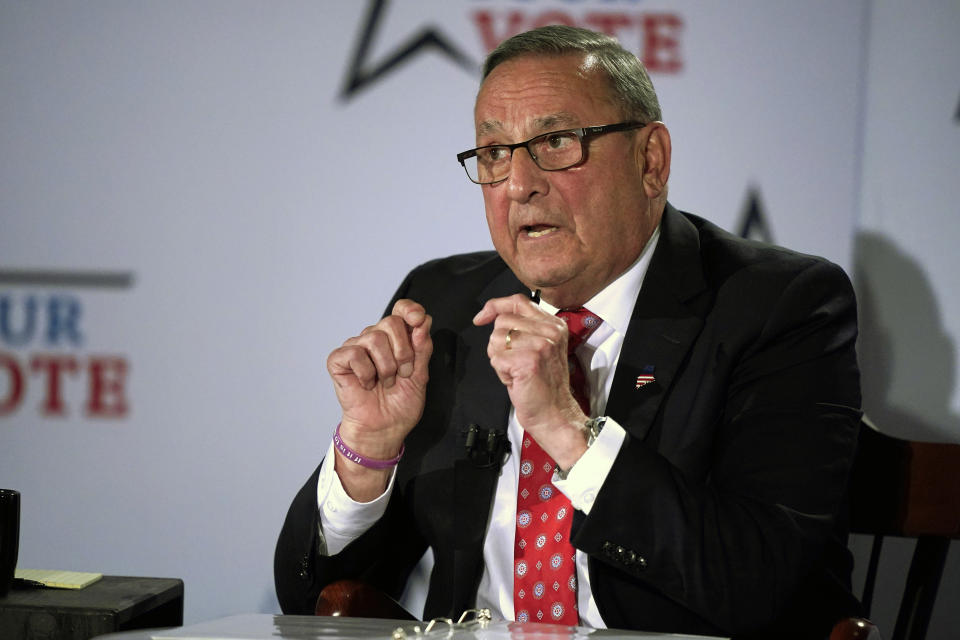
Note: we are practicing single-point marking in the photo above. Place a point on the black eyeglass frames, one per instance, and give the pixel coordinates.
(553, 151)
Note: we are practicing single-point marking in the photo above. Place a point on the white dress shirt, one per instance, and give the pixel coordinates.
(342, 520)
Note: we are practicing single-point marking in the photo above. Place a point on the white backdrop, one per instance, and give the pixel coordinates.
(905, 255)
(216, 214)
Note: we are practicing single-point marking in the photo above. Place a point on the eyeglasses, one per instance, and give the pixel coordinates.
(552, 151)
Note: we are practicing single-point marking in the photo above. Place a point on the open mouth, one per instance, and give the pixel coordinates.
(537, 230)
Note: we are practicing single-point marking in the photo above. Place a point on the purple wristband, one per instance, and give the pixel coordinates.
(363, 461)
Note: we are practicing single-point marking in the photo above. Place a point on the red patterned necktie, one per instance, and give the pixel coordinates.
(544, 561)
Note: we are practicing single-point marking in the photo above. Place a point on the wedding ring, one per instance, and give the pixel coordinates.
(509, 339)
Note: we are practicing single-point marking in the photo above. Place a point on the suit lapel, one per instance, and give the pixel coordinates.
(482, 400)
(663, 326)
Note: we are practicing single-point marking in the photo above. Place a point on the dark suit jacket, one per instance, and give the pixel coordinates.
(719, 515)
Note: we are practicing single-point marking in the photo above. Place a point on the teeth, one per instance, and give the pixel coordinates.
(536, 233)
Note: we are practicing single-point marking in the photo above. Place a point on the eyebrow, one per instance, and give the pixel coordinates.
(489, 126)
(554, 120)
(543, 124)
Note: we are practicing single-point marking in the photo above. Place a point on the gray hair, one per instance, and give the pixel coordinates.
(630, 86)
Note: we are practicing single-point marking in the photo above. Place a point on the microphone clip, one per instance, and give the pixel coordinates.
(486, 447)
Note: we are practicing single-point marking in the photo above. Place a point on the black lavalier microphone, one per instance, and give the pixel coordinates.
(486, 448)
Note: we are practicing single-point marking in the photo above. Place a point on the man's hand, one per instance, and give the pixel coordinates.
(380, 378)
(533, 367)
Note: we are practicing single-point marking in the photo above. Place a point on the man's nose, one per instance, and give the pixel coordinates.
(526, 179)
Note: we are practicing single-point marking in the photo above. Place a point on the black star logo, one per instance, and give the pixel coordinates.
(753, 224)
(362, 72)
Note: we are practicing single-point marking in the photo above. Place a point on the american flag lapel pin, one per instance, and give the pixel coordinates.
(646, 376)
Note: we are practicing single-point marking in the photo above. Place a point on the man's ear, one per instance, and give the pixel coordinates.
(654, 157)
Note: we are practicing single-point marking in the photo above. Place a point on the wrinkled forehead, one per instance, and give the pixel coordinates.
(531, 94)
(544, 122)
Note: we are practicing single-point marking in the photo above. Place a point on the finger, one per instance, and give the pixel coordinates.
(422, 348)
(399, 335)
(511, 331)
(414, 316)
(542, 324)
(351, 364)
(503, 374)
(412, 313)
(505, 338)
(517, 304)
(508, 338)
(381, 350)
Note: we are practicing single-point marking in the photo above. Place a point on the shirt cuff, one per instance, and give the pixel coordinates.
(343, 519)
(588, 474)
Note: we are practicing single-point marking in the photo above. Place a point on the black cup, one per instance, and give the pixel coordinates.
(9, 537)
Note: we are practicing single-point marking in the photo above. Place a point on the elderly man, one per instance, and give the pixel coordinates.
(625, 417)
